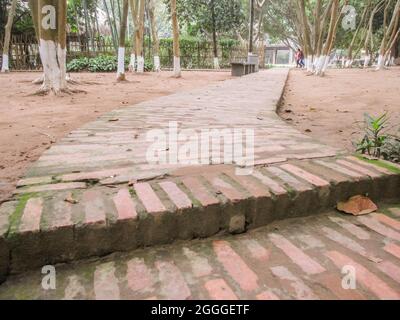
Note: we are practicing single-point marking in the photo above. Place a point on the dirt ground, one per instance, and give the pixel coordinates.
(331, 109)
(30, 124)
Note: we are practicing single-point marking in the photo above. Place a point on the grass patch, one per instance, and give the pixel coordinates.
(15, 217)
(380, 163)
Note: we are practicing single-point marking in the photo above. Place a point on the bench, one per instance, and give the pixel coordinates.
(242, 68)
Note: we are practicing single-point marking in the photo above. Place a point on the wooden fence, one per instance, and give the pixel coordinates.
(24, 52)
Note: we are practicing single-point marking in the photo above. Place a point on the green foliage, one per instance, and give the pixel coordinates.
(377, 142)
(375, 137)
(102, 63)
(201, 16)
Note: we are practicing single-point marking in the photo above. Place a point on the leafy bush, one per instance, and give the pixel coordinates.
(377, 142)
(78, 64)
(102, 63)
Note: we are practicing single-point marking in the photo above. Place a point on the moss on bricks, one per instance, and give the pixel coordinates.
(380, 163)
(16, 216)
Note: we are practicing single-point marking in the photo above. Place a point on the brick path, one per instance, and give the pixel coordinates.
(299, 258)
(94, 193)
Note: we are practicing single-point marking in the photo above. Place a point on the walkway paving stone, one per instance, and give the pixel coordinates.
(286, 260)
(95, 193)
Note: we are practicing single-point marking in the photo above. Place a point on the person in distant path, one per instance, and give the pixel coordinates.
(299, 59)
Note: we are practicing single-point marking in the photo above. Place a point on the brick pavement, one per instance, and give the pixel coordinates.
(301, 258)
(94, 193)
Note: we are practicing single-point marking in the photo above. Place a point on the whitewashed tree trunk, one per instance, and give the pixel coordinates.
(121, 49)
(216, 63)
(154, 36)
(51, 25)
(7, 36)
(139, 37)
(175, 29)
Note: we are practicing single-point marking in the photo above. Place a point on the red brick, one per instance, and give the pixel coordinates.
(125, 206)
(366, 278)
(34, 180)
(225, 188)
(340, 169)
(218, 289)
(370, 165)
(95, 174)
(387, 220)
(105, 283)
(334, 284)
(138, 275)
(250, 184)
(199, 191)
(353, 229)
(271, 184)
(149, 198)
(301, 290)
(62, 213)
(30, 220)
(235, 266)
(257, 251)
(348, 243)
(390, 270)
(393, 249)
(173, 285)
(267, 295)
(95, 212)
(199, 264)
(358, 168)
(295, 254)
(51, 187)
(178, 197)
(289, 179)
(313, 179)
(379, 228)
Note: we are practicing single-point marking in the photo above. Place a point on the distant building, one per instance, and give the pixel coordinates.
(278, 53)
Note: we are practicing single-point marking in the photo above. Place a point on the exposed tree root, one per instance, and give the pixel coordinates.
(44, 91)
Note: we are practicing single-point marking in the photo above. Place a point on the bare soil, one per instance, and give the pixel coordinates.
(331, 109)
(30, 124)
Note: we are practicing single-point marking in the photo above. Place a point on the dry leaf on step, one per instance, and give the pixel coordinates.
(357, 206)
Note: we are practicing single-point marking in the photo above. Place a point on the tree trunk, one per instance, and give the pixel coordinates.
(154, 35)
(175, 29)
(51, 20)
(6, 46)
(324, 61)
(139, 37)
(134, 12)
(112, 30)
(390, 35)
(121, 47)
(214, 35)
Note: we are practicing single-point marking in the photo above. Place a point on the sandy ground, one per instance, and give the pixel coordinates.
(30, 124)
(331, 109)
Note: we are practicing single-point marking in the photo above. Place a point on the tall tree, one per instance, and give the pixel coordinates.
(51, 19)
(139, 36)
(121, 47)
(7, 36)
(175, 31)
(154, 36)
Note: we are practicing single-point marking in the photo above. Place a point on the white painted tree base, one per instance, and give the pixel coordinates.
(140, 64)
(121, 64)
(216, 63)
(5, 65)
(54, 66)
(177, 67)
(157, 64)
(132, 63)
